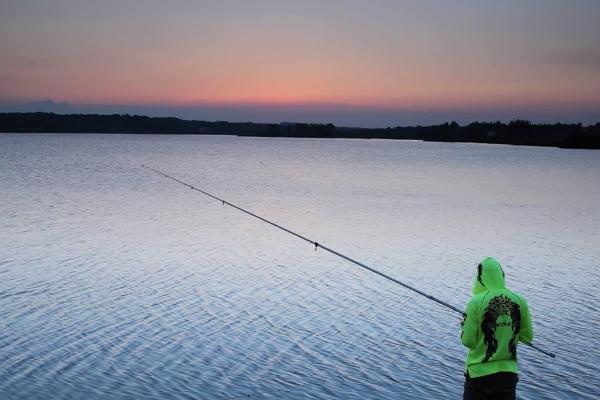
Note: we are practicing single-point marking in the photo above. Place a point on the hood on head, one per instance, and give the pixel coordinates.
(489, 276)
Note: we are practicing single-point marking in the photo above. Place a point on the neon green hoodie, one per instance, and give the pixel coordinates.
(496, 320)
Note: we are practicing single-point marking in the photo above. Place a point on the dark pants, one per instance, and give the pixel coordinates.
(498, 386)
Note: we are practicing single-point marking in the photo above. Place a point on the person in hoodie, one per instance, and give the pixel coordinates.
(496, 320)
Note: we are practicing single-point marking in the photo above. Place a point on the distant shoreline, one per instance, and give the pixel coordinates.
(518, 132)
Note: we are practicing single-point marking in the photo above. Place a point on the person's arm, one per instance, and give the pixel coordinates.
(469, 326)
(526, 333)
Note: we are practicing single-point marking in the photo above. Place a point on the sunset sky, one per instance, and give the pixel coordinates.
(364, 63)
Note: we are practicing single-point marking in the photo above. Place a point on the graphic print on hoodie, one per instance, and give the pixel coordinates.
(496, 320)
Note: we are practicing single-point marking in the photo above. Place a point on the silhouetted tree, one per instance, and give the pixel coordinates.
(516, 132)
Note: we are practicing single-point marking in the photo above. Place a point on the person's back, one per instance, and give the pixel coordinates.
(496, 320)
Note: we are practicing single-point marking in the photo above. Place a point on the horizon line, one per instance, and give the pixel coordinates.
(450, 122)
(340, 114)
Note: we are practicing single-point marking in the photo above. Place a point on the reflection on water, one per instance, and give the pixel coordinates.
(115, 282)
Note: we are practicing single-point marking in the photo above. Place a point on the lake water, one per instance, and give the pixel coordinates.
(118, 283)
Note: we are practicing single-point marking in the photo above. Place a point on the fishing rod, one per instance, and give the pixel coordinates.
(328, 249)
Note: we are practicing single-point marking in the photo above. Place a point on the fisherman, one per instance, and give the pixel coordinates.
(495, 321)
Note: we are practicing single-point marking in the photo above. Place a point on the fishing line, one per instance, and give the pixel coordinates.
(328, 249)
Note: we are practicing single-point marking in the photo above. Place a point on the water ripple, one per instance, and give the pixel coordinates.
(115, 283)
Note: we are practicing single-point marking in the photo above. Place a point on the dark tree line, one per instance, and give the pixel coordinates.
(520, 132)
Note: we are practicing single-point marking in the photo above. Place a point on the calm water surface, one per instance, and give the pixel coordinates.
(117, 283)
